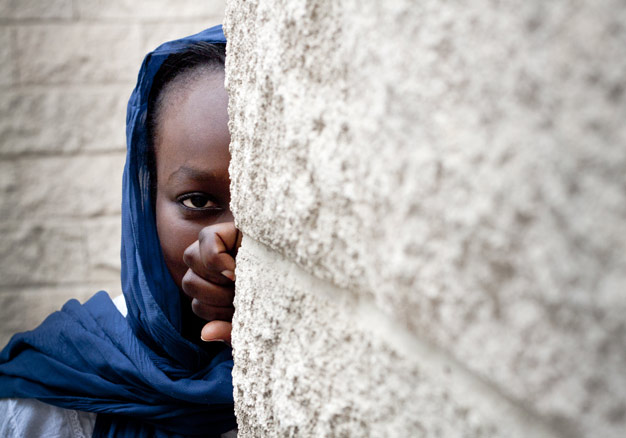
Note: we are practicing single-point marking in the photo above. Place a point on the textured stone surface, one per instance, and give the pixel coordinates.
(103, 249)
(304, 369)
(150, 9)
(63, 120)
(78, 53)
(46, 253)
(154, 34)
(82, 186)
(7, 71)
(29, 9)
(463, 167)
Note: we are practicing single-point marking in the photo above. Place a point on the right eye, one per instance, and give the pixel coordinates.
(197, 201)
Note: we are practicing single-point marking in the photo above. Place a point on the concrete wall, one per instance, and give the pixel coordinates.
(434, 201)
(67, 68)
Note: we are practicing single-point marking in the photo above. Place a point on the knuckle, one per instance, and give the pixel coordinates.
(188, 255)
(207, 262)
(188, 283)
(205, 234)
(202, 310)
(210, 261)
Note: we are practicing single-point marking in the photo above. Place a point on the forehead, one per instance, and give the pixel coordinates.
(193, 126)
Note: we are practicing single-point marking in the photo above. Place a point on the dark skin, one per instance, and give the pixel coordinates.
(194, 221)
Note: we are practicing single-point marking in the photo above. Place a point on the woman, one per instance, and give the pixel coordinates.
(148, 374)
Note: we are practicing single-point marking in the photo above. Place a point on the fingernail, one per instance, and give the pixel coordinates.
(229, 274)
(214, 340)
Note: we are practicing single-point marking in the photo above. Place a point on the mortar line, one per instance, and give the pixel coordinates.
(42, 155)
(433, 359)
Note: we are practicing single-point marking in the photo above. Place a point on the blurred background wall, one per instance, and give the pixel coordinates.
(67, 68)
(433, 195)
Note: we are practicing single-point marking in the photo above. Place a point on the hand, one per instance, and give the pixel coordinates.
(210, 279)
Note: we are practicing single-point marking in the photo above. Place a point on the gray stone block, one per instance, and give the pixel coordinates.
(154, 34)
(78, 53)
(33, 9)
(45, 253)
(56, 120)
(140, 10)
(7, 59)
(464, 169)
(61, 187)
(103, 249)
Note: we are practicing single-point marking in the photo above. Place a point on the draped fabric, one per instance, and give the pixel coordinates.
(141, 376)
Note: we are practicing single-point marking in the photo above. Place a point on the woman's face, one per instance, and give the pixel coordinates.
(192, 157)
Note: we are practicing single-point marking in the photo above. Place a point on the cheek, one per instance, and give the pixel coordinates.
(175, 235)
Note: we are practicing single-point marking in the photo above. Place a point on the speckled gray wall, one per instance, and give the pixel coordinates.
(434, 199)
(67, 68)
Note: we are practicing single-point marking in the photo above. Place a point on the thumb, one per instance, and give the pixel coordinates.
(217, 331)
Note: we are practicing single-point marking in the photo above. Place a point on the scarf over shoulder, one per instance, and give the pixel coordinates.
(138, 373)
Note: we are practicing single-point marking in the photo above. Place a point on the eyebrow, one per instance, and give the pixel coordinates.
(192, 173)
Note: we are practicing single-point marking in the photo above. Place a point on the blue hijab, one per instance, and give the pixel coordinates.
(141, 376)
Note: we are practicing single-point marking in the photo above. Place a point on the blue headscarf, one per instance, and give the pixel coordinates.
(141, 376)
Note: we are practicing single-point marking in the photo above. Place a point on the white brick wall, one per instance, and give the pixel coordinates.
(67, 68)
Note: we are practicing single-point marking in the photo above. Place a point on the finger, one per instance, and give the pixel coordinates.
(217, 331)
(238, 240)
(206, 292)
(209, 264)
(211, 313)
(217, 240)
(230, 274)
(225, 237)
